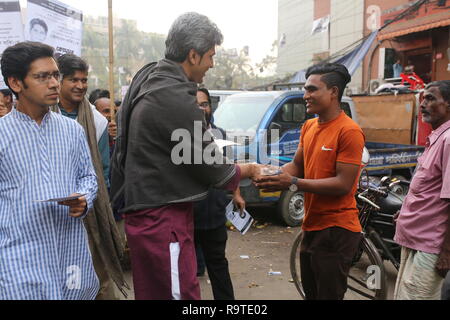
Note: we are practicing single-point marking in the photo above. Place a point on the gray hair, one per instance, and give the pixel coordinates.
(444, 88)
(191, 31)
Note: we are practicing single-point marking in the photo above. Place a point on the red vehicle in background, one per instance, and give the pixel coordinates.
(409, 76)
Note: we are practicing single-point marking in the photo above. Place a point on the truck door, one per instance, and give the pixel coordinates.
(346, 107)
(289, 120)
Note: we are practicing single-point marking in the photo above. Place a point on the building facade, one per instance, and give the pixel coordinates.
(312, 30)
(413, 33)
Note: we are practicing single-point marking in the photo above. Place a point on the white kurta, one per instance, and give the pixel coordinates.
(44, 253)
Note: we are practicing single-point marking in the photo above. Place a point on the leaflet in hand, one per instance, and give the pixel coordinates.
(62, 199)
(224, 143)
(241, 222)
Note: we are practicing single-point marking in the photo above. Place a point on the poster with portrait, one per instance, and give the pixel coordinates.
(56, 24)
(11, 27)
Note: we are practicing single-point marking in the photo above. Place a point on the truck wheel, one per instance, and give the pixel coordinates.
(291, 208)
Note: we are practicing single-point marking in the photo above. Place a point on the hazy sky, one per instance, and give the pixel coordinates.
(243, 22)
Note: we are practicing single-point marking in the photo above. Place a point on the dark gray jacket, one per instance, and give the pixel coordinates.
(160, 100)
(209, 214)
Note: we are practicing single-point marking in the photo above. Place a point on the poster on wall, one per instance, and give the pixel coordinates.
(56, 24)
(11, 28)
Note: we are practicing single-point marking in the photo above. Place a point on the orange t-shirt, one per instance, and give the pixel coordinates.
(325, 144)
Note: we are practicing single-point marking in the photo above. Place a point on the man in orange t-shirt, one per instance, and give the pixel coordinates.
(326, 167)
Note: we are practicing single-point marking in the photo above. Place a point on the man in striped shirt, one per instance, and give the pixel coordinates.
(44, 252)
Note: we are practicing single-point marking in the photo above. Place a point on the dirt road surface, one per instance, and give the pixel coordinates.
(259, 262)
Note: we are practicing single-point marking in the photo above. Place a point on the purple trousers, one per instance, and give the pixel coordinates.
(162, 252)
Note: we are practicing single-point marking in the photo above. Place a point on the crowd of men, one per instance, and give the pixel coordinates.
(63, 191)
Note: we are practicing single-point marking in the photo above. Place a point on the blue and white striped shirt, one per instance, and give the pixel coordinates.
(44, 253)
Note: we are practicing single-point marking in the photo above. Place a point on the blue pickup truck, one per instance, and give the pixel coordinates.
(249, 118)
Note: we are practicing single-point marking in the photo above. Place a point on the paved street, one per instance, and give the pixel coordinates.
(266, 247)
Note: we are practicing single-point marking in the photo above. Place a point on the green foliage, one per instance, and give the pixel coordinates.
(132, 50)
(233, 71)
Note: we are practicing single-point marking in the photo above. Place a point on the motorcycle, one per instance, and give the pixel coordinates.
(379, 206)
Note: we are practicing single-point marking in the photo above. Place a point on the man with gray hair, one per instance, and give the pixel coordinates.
(423, 226)
(153, 190)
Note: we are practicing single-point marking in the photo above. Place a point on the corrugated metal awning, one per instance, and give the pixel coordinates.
(437, 20)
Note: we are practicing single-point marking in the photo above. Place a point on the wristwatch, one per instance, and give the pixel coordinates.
(294, 187)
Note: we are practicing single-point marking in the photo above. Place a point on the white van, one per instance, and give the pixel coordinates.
(219, 96)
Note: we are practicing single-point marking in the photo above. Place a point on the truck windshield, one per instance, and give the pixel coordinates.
(242, 113)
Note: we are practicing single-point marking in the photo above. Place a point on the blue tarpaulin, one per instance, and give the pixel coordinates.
(351, 60)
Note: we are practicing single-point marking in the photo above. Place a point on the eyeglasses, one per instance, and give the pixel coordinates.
(203, 104)
(45, 77)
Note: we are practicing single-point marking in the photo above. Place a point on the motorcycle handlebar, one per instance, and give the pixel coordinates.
(378, 192)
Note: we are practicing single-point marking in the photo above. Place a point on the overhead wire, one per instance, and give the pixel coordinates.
(400, 16)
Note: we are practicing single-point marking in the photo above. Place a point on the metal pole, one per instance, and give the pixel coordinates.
(111, 61)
